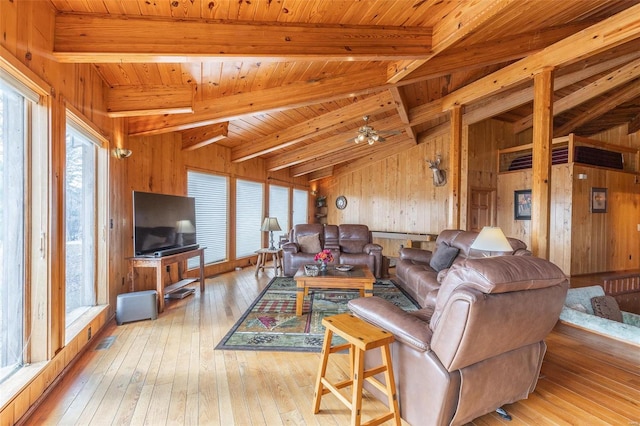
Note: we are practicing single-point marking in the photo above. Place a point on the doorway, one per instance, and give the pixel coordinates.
(482, 208)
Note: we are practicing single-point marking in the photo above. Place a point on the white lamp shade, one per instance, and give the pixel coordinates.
(270, 224)
(185, 227)
(491, 238)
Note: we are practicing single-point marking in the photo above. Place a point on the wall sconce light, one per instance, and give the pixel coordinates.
(121, 153)
(582, 176)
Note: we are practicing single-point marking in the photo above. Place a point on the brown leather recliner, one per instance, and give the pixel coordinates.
(349, 244)
(294, 255)
(479, 347)
(357, 248)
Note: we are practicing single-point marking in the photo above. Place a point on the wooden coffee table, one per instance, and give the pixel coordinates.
(359, 278)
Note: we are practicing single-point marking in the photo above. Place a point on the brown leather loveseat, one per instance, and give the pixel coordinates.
(417, 270)
(478, 347)
(349, 244)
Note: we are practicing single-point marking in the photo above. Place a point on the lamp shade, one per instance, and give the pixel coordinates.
(270, 224)
(491, 238)
(185, 227)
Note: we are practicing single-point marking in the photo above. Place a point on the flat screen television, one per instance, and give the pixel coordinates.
(163, 224)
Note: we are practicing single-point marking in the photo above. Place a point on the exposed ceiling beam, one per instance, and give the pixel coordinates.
(108, 39)
(294, 95)
(611, 32)
(314, 127)
(354, 152)
(359, 163)
(611, 101)
(336, 143)
(602, 85)
(320, 174)
(634, 124)
(449, 30)
(491, 52)
(505, 101)
(403, 111)
(131, 101)
(205, 135)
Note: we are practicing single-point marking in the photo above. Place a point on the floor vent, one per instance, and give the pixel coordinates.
(105, 343)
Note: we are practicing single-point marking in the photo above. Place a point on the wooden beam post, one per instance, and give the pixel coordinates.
(541, 185)
(455, 155)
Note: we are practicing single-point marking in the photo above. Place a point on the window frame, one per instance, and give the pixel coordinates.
(194, 263)
(237, 224)
(80, 124)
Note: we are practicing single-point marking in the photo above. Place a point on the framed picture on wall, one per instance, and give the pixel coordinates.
(598, 200)
(522, 204)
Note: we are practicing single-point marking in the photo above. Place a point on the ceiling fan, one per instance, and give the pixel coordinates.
(368, 134)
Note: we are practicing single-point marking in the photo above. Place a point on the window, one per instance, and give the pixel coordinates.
(279, 208)
(249, 201)
(81, 221)
(14, 125)
(211, 194)
(300, 206)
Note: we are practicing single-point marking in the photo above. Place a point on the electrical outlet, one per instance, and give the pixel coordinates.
(89, 333)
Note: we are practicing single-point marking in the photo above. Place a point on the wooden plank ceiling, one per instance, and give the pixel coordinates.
(290, 80)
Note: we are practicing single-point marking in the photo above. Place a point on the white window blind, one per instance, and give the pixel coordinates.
(300, 206)
(249, 201)
(279, 208)
(212, 194)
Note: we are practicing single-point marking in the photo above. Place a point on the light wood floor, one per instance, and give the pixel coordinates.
(167, 372)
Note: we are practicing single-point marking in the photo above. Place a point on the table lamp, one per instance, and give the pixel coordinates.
(183, 227)
(491, 238)
(271, 224)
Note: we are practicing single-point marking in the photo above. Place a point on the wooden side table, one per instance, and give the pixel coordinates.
(360, 336)
(276, 255)
(160, 263)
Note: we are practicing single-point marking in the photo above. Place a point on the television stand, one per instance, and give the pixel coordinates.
(160, 264)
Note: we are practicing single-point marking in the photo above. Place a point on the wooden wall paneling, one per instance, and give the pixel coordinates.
(9, 25)
(560, 227)
(120, 215)
(619, 136)
(507, 184)
(395, 194)
(581, 238)
(485, 138)
(623, 235)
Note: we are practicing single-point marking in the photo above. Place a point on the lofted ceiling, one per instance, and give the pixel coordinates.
(290, 80)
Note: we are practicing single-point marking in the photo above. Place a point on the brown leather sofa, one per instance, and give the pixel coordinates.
(478, 347)
(415, 270)
(349, 244)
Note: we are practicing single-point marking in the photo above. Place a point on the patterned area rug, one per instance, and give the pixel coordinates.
(271, 323)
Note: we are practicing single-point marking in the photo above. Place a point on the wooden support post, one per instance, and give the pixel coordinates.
(455, 153)
(541, 185)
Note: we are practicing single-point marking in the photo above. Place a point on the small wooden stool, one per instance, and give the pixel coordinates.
(360, 336)
(262, 260)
